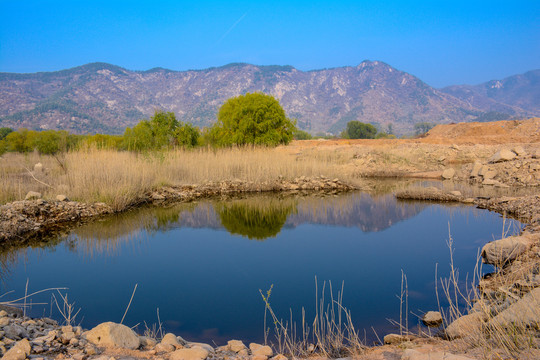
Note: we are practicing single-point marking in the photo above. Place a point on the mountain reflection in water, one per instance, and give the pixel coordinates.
(257, 217)
(203, 263)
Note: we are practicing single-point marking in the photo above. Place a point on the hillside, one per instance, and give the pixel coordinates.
(512, 95)
(101, 97)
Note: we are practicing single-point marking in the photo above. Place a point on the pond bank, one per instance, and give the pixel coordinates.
(66, 342)
(27, 219)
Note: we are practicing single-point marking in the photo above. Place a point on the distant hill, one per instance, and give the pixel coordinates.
(100, 97)
(514, 95)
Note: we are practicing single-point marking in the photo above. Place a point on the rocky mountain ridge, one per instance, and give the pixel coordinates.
(100, 97)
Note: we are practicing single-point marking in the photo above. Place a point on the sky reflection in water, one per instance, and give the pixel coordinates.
(202, 264)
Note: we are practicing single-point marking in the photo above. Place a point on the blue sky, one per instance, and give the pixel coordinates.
(441, 42)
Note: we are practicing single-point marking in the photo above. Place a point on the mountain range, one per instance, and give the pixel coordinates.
(100, 97)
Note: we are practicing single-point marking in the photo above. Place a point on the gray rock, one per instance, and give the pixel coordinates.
(523, 313)
(32, 195)
(466, 325)
(501, 251)
(15, 332)
(432, 318)
(205, 346)
(110, 334)
(194, 353)
(448, 174)
(502, 155)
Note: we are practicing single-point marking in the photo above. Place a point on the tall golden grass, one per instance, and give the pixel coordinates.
(119, 178)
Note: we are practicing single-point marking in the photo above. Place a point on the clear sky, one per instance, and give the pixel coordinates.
(442, 42)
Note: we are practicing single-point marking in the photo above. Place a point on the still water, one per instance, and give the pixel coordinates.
(202, 264)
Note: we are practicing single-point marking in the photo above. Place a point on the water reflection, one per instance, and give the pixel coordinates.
(256, 218)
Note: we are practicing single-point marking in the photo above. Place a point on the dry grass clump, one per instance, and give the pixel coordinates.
(491, 337)
(120, 178)
(331, 333)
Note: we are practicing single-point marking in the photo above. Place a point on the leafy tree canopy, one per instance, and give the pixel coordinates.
(359, 130)
(252, 119)
(4, 131)
(162, 131)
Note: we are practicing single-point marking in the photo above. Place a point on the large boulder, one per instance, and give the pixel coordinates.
(501, 251)
(502, 155)
(236, 346)
(523, 313)
(466, 325)
(110, 334)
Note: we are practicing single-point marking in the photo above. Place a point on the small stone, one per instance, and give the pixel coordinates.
(432, 319)
(392, 339)
(519, 151)
(3, 313)
(164, 348)
(243, 352)
(147, 342)
(502, 155)
(448, 174)
(38, 167)
(203, 345)
(257, 349)
(170, 339)
(455, 193)
(279, 357)
(236, 345)
(32, 195)
(476, 169)
(4, 321)
(109, 334)
(490, 174)
(194, 353)
(489, 182)
(62, 198)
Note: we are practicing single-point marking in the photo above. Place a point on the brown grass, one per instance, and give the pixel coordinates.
(119, 178)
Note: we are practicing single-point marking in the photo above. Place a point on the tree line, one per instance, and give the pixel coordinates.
(250, 119)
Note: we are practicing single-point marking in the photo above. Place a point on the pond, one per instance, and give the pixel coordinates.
(202, 264)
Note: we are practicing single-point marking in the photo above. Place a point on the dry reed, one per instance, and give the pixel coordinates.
(120, 178)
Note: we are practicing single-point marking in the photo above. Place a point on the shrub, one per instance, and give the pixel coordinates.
(359, 130)
(252, 119)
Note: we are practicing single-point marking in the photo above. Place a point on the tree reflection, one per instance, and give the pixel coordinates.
(257, 218)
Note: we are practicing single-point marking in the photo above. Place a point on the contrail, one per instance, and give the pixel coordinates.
(231, 28)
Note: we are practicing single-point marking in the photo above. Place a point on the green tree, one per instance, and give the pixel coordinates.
(50, 142)
(302, 135)
(422, 127)
(162, 131)
(187, 135)
(252, 119)
(20, 141)
(4, 132)
(359, 130)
